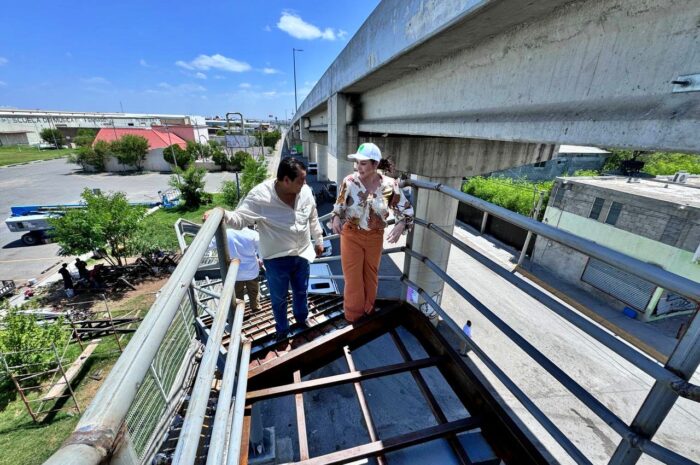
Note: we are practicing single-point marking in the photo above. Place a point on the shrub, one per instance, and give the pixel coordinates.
(175, 155)
(218, 154)
(237, 162)
(220, 132)
(229, 191)
(586, 173)
(190, 182)
(26, 342)
(515, 195)
(95, 157)
(85, 137)
(254, 172)
(53, 136)
(131, 150)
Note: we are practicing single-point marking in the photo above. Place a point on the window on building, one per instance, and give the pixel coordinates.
(540, 164)
(614, 213)
(672, 231)
(130, 124)
(597, 208)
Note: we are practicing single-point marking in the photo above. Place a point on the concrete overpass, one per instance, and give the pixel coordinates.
(455, 88)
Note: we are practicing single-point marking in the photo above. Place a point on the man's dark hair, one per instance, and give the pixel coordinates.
(290, 168)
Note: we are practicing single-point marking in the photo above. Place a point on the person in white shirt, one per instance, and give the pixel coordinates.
(284, 210)
(244, 245)
(463, 348)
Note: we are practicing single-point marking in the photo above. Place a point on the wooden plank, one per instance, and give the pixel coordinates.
(366, 414)
(344, 378)
(377, 448)
(75, 367)
(432, 401)
(301, 421)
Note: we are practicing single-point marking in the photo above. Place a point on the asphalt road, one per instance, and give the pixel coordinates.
(57, 182)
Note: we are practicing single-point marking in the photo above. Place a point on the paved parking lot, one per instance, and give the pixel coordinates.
(57, 182)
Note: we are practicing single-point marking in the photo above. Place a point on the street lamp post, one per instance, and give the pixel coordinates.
(294, 60)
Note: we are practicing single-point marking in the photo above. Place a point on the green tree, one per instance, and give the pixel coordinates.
(85, 137)
(663, 163)
(218, 154)
(53, 136)
(27, 344)
(92, 156)
(269, 138)
(131, 150)
(174, 154)
(190, 183)
(586, 173)
(254, 172)
(106, 223)
(238, 160)
(220, 132)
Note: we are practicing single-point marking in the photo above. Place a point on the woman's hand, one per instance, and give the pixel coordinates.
(336, 227)
(396, 232)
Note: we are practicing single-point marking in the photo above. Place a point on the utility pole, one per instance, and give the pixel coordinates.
(294, 60)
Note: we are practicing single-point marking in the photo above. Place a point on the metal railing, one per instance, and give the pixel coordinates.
(671, 379)
(140, 395)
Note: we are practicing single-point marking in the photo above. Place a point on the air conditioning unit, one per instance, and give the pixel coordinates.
(680, 177)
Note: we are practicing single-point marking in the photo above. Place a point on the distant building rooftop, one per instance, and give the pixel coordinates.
(659, 188)
(580, 149)
(156, 137)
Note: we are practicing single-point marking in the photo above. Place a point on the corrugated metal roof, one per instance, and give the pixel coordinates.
(156, 138)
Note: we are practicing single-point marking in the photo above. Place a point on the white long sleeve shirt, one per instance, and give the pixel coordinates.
(283, 231)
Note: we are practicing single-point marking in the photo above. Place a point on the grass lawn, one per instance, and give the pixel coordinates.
(16, 154)
(24, 442)
(160, 223)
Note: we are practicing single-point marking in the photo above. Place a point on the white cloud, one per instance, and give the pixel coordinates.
(267, 28)
(164, 87)
(3, 84)
(342, 34)
(271, 93)
(95, 80)
(200, 75)
(296, 27)
(206, 62)
(144, 63)
(271, 71)
(3, 61)
(218, 76)
(244, 85)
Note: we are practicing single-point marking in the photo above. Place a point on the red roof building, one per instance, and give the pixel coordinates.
(157, 138)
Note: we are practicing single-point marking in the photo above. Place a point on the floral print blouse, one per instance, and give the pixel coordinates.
(370, 210)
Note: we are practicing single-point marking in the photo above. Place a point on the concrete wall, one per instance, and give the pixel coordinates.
(570, 264)
(22, 138)
(559, 166)
(154, 162)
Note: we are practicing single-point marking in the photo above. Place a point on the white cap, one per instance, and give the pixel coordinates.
(367, 151)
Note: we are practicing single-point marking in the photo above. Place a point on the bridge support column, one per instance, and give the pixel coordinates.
(305, 137)
(338, 141)
(319, 151)
(447, 161)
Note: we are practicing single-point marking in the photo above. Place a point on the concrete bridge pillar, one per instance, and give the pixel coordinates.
(304, 135)
(447, 161)
(338, 141)
(319, 151)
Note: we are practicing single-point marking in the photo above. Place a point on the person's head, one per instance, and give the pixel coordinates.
(469, 323)
(65, 265)
(368, 160)
(291, 175)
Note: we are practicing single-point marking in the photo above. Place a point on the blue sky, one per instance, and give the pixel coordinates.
(175, 56)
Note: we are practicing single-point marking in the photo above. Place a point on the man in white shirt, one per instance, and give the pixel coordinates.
(244, 245)
(284, 211)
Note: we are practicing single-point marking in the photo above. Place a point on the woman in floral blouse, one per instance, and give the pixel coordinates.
(360, 215)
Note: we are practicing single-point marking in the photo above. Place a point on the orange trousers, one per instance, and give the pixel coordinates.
(360, 253)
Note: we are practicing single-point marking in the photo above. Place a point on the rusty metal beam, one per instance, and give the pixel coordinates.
(330, 381)
(402, 441)
(432, 402)
(366, 414)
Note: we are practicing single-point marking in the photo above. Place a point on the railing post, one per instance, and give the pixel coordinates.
(222, 249)
(484, 219)
(535, 214)
(409, 245)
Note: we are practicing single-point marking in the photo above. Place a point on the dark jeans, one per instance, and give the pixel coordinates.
(280, 273)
